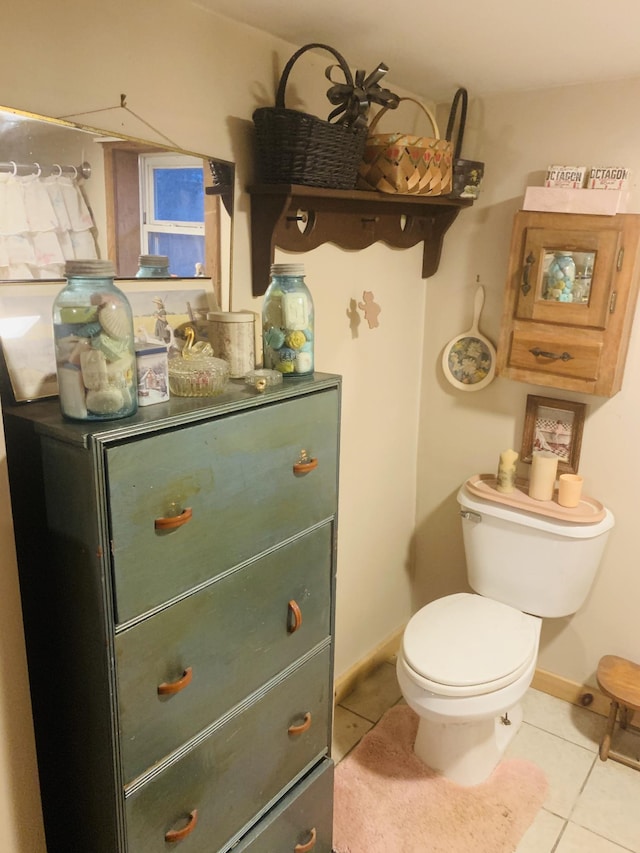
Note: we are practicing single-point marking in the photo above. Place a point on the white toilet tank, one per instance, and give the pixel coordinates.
(540, 565)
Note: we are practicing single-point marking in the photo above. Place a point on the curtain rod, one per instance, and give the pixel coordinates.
(83, 170)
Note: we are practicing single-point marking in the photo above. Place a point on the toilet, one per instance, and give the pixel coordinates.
(467, 659)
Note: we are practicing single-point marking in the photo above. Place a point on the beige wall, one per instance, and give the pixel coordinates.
(408, 438)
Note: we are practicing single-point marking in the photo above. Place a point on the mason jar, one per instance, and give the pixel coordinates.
(94, 344)
(287, 322)
(153, 266)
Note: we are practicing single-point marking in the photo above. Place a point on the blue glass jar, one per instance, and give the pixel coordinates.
(94, 345)
(287, 322)
(153, 266)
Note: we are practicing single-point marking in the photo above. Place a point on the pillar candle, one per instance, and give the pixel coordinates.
(569, 489)
(507, 472)
(543, 476)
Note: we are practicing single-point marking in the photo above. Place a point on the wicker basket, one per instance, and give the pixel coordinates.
(298, 148)
(404, 164)
(467, 174)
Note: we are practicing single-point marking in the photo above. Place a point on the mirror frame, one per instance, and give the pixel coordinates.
(219, 183)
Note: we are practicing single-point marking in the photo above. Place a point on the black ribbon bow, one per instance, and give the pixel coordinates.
(354, 100)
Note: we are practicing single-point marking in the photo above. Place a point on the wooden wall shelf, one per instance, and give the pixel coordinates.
(298, 219)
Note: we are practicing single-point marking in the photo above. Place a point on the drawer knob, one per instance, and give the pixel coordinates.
(311, 843)
(174, 835)
(295, 617)
(168, 688)
(304, 726)
(563, 356)
(171, 521)
(305, 463)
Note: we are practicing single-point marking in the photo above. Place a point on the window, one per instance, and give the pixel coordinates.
(172, 210)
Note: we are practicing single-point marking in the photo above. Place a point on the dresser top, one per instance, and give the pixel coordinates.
(177, 411)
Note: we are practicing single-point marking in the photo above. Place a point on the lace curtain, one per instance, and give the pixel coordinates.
(44, 221)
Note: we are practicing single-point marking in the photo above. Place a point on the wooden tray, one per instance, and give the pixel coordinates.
(588, 511)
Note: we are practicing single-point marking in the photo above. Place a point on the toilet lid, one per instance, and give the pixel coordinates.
(465, 640)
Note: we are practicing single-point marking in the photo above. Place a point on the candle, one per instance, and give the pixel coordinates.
(507, 471)
(569, 489)
(543, 476)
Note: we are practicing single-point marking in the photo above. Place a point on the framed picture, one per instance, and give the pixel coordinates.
(554, 426)
(160, 307)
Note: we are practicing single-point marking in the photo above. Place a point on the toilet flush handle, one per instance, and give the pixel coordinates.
(469, 515)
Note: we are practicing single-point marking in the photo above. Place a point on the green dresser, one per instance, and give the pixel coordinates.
(177, 572)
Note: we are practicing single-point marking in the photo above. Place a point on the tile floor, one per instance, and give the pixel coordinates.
(592, 806)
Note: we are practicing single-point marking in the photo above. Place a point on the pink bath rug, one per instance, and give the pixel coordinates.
(388, 801)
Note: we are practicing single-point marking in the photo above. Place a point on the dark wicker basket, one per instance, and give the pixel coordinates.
(298, 148)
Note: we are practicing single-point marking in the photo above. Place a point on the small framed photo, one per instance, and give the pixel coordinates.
(554, 426)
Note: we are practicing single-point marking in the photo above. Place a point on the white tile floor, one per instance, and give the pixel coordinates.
(592, 806)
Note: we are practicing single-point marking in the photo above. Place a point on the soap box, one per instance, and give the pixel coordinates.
(607, 178)
(571, 177)
(152, 366)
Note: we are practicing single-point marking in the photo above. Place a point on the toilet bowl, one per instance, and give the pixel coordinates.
(465, 664)
(467, 659)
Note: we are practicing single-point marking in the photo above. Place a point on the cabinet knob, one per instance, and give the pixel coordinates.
(311, 843)
(171, 521)
(174, 835)
(304, 726)
(295, 617)
(168, 688)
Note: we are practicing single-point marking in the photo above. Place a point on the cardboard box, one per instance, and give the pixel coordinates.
(152, 367)
(608, 178)
(570, 177)
(562, 200)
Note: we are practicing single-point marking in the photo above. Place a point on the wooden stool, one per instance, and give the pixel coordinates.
(619, 679)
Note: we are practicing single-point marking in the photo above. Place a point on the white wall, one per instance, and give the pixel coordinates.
(407, 435)
(463, 433)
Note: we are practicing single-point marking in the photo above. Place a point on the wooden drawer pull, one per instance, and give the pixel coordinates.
(311, 843)
(168, 688)
(295, 617)
(303, 727)
(171, 521)
(174, 835)
(304, 464)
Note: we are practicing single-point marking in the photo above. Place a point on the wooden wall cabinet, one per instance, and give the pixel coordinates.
(570, 297)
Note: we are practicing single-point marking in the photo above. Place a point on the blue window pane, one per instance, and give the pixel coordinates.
(183, 250)
(179, 195)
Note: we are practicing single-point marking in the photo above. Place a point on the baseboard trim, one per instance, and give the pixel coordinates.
(582, 695)
(384, 653)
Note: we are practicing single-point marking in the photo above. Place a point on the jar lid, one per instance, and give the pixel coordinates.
(154, 260)
(231, 316)
(89, 268)
(287, 269)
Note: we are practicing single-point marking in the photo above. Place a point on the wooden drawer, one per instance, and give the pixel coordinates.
(223, 643)
(304, 817)
(236, 478)
(583, 352)
(232, 776)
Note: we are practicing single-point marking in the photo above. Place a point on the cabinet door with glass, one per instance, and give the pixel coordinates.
(569, 301)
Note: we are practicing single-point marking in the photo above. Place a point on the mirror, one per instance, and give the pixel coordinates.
(67, 190)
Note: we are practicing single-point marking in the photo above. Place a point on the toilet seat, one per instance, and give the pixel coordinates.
(465, 645)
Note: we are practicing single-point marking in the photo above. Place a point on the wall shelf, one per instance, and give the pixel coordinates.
(298, 219)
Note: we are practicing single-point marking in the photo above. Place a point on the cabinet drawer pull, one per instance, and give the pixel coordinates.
(305, 463)
(295, 617)
(526, 272)
(168, 688)
(311, 843)
(171, 521)
(565, 356)
(174, 835)
(303, 727)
